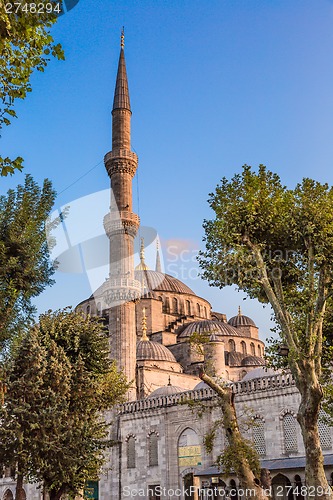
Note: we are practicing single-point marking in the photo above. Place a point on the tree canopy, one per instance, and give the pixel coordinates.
(276, 244)
(25, 45)
(59, 380)
(25, 269)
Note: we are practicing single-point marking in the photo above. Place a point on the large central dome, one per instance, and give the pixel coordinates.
(160, 282)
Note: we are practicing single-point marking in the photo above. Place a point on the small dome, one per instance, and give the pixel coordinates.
(148, 350)
(241, 320)
(203, 385)
(253, 361)
(167, 390)
(260, 373)
(218, 328)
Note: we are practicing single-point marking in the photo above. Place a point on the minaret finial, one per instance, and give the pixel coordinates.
(144, 325)
(239, 311)
(122, 38)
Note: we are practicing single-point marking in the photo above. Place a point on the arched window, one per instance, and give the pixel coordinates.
(259, 351)
(88, 309)
(167, 305)
(131, 452)
(205, 311)
(324, 431)
(188, 308)
(232, 345)
(175, 305)
(189, 441)
(289, 433)
(8, 495)
(153, 449)
(198, 310)
(259, 436)
(233, 490)
(243, 347)
(253, 352)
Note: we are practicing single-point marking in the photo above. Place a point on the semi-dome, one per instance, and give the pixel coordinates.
(209, 326)
(253, 361)
(161, 282)
(167, 390)
(153, 351)
(241, 320)
(260, 373)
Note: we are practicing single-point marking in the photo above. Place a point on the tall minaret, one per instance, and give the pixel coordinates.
(121, 226)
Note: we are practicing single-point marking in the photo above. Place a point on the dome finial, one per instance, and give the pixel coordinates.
(169, 382)
(144, 325)
(122, 38)
(239, 311)
(142, 266)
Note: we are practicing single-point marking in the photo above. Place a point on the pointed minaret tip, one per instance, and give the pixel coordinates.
(239, 311)
(121, 94)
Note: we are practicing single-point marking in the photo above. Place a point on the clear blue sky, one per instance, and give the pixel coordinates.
(214, 84)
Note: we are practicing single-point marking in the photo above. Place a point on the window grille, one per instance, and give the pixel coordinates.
(290, 433)
(259, 436)
(324, 432)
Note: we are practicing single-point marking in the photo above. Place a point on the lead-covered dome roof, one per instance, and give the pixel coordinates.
(253, 361)
(147, 350)
(241, 320)
(260, 373)
(156, 281)
(167, 390)
(210, 326)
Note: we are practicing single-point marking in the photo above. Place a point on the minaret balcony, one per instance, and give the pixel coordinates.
(121, 290)
(121, 161)
(122, 221)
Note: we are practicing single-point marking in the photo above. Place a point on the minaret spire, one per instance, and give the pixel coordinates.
(158, 266)
(121, 226)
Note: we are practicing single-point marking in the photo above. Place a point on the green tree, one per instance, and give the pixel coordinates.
(25, 269)
(59, 383)
(239, 456)
(25, 45)
(276, 244)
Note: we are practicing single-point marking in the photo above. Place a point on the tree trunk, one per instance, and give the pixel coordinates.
(241, 465)
(311, 396)
(19, 493)
(57, 494)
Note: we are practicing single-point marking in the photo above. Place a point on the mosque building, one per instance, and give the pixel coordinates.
(159, 451)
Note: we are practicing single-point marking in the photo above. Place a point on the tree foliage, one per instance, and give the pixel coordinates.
(25, 269)
(58, 382)
(276, 244)
(25, 45)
